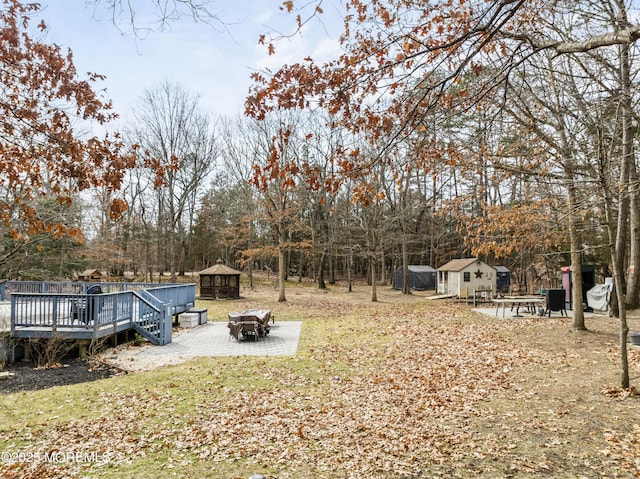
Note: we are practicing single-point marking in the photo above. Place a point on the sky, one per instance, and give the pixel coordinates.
(212, 61)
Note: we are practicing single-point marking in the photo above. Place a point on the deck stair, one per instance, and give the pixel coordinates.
(150, 318)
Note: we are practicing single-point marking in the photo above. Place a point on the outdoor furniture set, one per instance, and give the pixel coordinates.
(553, 300)
(249, 324)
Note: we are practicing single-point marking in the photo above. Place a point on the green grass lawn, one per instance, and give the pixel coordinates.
(402, 388)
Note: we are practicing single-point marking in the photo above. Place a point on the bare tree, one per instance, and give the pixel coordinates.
(131, 16)
(241, 144)
(278, 149)
(170, 127)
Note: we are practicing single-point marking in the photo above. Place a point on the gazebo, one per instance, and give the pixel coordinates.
(219, 281)
(90, 275)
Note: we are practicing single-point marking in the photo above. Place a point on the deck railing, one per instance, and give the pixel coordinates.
(149, 311)
(7, 288)
(179, 296)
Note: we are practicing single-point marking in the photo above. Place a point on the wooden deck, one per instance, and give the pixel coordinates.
(149, 312)
(72, 332)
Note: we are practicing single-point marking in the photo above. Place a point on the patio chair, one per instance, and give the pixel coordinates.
(251, 329)
(234, 330)
(235, 327)
(87, 309)
(242, 326)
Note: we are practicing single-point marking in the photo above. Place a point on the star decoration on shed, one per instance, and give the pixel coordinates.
(478, 274)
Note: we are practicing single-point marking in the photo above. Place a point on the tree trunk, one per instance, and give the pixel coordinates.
(332, 269)
(614, 255)
(324, 239)
(350, 269)
(183, 257)
(250, 273)
(321, 268)
(620, 240)
(406, 289)
(576, 259)
(622, 310)
(628, 158)
(281, 265)
(633, 272)
(172, 255)
(374, 273)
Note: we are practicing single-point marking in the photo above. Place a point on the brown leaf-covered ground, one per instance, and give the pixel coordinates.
(404, 388)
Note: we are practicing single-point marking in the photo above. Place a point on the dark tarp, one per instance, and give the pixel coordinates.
(420, 278)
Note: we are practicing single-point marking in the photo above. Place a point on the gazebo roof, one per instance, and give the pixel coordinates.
(89, 272)
(219, 269)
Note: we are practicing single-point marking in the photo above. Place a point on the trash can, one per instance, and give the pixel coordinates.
(556, 301)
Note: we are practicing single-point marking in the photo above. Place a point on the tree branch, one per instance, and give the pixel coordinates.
(620, 37)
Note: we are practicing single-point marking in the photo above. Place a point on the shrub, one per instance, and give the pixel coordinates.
(49, 352)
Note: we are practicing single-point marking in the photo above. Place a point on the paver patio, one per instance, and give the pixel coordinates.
(212, 339)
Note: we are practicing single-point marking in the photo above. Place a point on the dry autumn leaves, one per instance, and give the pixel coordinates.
(403, 388)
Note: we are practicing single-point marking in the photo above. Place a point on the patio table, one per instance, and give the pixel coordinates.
(250, 322)
(517, 302)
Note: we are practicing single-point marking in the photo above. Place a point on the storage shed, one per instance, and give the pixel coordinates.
(421, 278)
(588, 275)
(219, 281)
(461, 277)
(503, 279)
